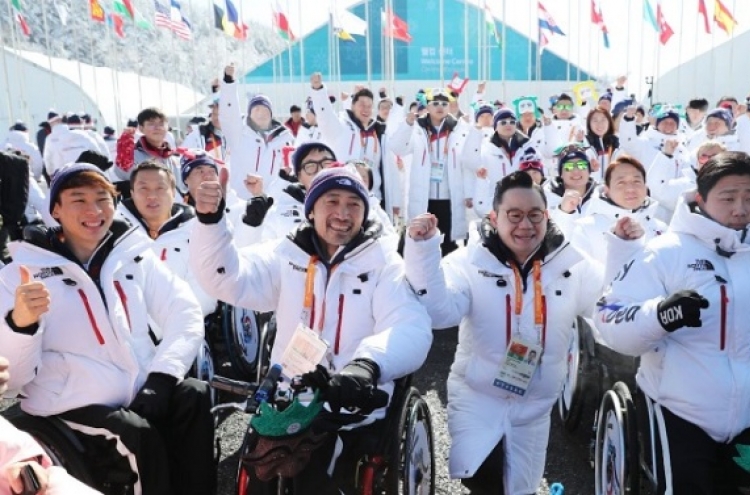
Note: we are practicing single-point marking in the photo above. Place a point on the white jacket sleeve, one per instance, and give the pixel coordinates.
(38, 200)
(440, 286)
(634, 294)
(230, 115)
(174, 308)
(400, 141)
(471, 154)
(629, 137)
(743, 132)
(193, 140)
(661, 170)
(402, 335)
(247, 279)
(328, 122)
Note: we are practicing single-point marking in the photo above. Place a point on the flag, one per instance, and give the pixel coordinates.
(227, 19)
(345, 24)
(702, 11)
(395, 27)
(598, 20)
(171, 17)
(124, 8)
(723, 17)
(116, 21)
(543, 41)
(96, 11)
(491, 25)
(648, 15)
(62, 12)
(547, 22)
(665, 31)
(458, 84)
(25, 29)
(281, 21)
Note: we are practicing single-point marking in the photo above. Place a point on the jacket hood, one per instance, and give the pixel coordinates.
(448, 125)
(689, 219)
(516, 142)
(180, 215)
(307, 240)
(603, 205)
(372, 125)
(556, 186)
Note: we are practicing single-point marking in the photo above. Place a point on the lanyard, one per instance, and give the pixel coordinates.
(539, 302)
(309, 300)
(364, 139)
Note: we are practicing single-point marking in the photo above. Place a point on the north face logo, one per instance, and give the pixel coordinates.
(344, 182)
(702, 266)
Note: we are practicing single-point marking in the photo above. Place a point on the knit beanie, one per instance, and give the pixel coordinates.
(189, 162)
(337, 177)
(304, 149)
(668, 113)
(259, 100)
(64, 175)
(576, 154)
(723, 114)
(503, 113)
(482, 109)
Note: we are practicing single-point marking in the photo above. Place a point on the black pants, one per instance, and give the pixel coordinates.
(701, 465)
(175, 456)
(441, 208)
(314, 478)
(489, 478)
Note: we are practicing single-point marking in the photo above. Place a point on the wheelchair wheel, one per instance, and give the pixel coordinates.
(617, 470)
(203, 368)
(411, 469)
(571, 400)
(242, 336)
(63, 449)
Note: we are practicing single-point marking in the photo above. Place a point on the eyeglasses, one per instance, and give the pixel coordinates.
(516, 215)
(564, 106)
(506, 122)
(580, 165)
(438, 103)
(311, 166)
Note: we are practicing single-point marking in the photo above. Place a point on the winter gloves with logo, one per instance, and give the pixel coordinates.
(353, 388)
(681, 309)
(152, 401)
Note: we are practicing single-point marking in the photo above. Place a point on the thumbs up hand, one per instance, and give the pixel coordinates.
(32, 300)
(210, 193)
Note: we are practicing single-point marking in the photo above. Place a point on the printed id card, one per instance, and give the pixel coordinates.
(519, 365)
(305, 351)
(436, 171)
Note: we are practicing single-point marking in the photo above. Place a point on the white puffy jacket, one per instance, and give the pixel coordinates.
(700, 374)
(472, 288)
(19, 140)
(96, 347)
(65, 145)
(366, 308)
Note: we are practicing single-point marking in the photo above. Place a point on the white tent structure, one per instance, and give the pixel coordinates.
(32, 83)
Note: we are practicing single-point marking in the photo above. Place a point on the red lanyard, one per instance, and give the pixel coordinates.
(539, 303)
(437, 137)
(309, 301)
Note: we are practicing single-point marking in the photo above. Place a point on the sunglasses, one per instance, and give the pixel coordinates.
(515, 215)
(580, 165)
(439, 103)
(564, 106)
(506, 122)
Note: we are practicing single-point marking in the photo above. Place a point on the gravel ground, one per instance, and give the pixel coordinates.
(567, 456)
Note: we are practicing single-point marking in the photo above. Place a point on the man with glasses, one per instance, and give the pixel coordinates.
(437, 182)
(515, 292)
(272, 218)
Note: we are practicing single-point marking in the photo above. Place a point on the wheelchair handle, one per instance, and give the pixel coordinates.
(236, 387)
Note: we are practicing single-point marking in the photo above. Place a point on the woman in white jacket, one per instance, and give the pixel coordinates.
(517, 291)
(686, 296)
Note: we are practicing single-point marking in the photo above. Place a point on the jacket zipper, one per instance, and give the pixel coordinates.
(124, 299)
(273, 162)
(257, 160)
(724, 301)
(338, 325)
(163, 255)
(90, 314)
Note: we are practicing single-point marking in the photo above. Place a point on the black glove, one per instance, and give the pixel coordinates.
(256, 209)
(152, 401)
(355, 387)
(681, 309)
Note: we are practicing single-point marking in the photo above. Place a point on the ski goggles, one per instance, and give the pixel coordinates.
(575, 165)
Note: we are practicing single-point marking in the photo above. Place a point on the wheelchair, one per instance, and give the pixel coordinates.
(83, 457)
(403, 460)
(631, 446)
(246, 333)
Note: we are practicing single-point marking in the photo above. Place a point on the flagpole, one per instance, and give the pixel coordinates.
(49, 51)
(640, 51)
(441, 31)
(176, 92)
(93, 67)
(192, 59)
(466, 39)
(368, 60)
(531, 44)
(301, 35)
(392, 49)
(695, 53)
(19, 64)
(7, 78)
(115, 86)
(503, 49)
(570, 35)
(679, 51)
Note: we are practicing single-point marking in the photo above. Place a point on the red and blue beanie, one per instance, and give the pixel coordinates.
(503, 113)
(64, 175)
(336, 177)
(259, 100)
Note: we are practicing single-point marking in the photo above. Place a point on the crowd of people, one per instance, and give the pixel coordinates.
(363, 225)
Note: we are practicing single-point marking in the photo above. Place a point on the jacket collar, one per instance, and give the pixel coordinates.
(373, 125)
(448, 124)
(307, 240)
(516, 142)
(603, 205)
(689, 219)
(180, 215)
